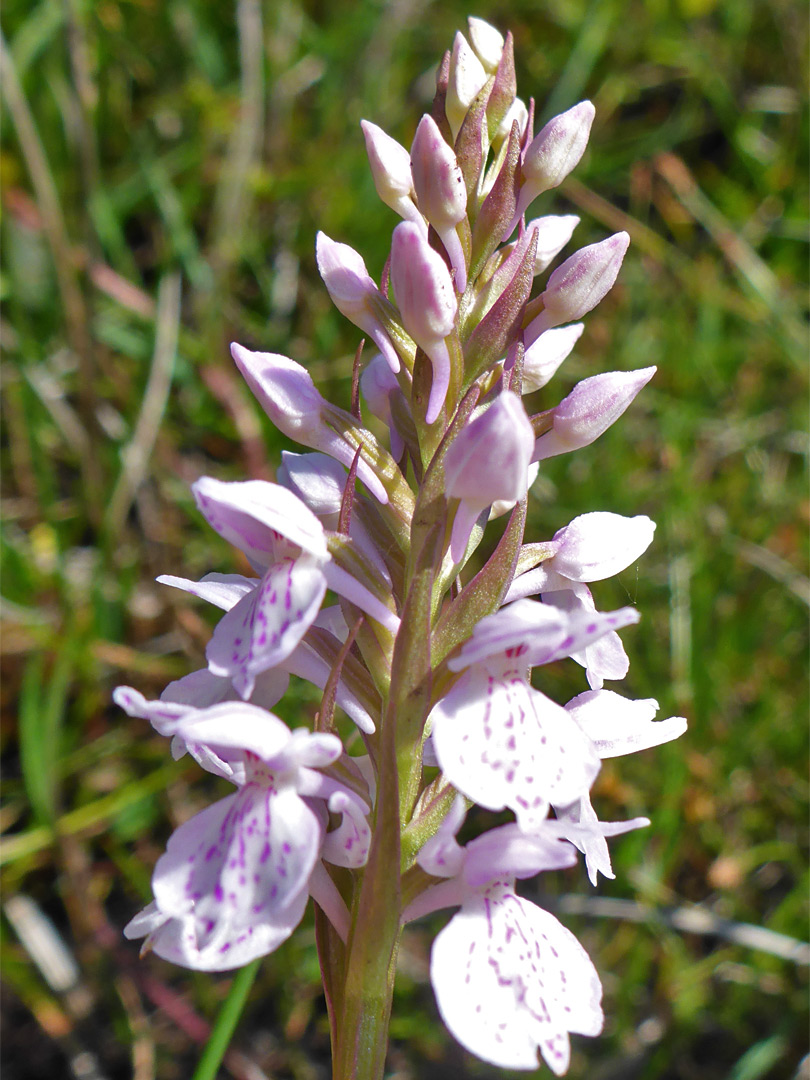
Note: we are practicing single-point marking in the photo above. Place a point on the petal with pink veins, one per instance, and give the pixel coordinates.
(267, 624)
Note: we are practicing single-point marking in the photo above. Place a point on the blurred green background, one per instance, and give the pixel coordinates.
(165, 169)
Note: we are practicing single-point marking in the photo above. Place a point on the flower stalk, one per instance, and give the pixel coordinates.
(371, 579)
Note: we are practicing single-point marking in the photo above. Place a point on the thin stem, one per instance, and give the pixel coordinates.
(226, 1022)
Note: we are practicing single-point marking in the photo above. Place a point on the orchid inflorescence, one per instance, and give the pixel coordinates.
(424, 650)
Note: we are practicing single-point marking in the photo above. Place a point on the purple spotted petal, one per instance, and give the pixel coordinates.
(539, 633)
(267, 624)
(510, 979)
(506, 852)
(504, 744)
(236, 876)
(586, 630)
(174, 703)
(349, 843)
(510, 628)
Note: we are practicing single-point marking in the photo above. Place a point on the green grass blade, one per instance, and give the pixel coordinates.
(226, 1022)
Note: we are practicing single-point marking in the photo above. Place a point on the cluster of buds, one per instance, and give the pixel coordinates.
(362, 584)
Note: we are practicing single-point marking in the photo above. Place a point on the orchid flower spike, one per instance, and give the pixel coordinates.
(428, 641)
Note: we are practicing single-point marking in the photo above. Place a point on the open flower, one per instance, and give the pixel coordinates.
(234, 880)
(286, 542)
(592, 547)
(497, 739)
(509, 978)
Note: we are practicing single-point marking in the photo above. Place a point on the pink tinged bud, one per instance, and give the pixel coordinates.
(350, 286)
(317, 480)
(427, 302)
(553, 233)
(544, 356)
(486, 463)
(467, 76)
(598, 545)
(440, 191)
(377, 385)
(288, 395)
(391, 169)
(503, 506)
(579, 284)
(487, 43)
(517, 111)
(552, 154)
(589, 410)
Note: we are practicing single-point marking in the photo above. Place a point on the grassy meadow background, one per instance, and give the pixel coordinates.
(165, 168)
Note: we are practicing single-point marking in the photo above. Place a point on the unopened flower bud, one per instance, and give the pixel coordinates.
(377, 385)
(503, 506)
(440, 190)
(288, 395)
(488, 462)
(427, 301)
(487, 43)
(589, 410)
(467, 76)
(553, 153)
(579, 284)
(516, 111)
(318, 480)
(544, 356)
(350, 285)
(553, 233)
(598, 545)
(391, 169)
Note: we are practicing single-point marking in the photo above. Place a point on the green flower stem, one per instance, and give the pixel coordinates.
(226, 1022)
(361, 1042)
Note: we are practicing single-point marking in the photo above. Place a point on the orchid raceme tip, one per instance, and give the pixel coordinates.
(374, 568)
